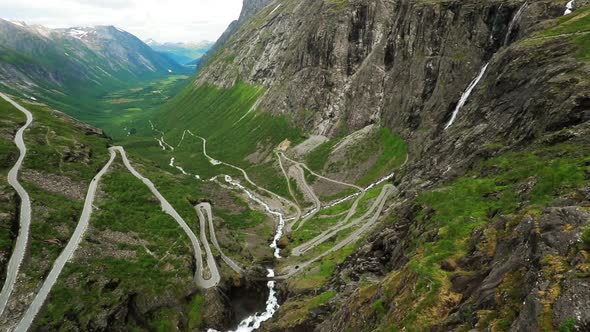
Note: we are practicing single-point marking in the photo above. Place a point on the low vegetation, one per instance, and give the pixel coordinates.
(453, 212)
(136, 249)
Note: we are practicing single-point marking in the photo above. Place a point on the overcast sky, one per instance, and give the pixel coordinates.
(163, 20)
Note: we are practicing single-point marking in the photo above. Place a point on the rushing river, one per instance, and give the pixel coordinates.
(254, 321)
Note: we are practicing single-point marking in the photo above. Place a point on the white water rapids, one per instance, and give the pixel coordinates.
(253, 322)
(569, 8)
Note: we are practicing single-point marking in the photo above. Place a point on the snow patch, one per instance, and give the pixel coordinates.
(77, 33)
(19, 23)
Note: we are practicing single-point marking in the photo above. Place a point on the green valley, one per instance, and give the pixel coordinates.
(324, 166)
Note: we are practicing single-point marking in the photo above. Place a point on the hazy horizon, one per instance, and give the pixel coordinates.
(172, 21)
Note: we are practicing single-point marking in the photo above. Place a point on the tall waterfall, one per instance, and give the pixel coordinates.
(483, 70)
(514, 21)
(569, 8)
(466, 95)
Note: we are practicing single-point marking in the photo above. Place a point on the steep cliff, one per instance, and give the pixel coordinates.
(490, 228)
(249, 9)
(334, 67)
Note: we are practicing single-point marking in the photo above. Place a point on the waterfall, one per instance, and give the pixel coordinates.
(569, 8)
(466, 95)
(254, 321)
(475, 82)
(513, 22)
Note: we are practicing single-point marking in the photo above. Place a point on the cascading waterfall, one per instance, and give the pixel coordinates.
(483, 70)
(466, 95)
(569, 8)
(514, 21)
(253, 322)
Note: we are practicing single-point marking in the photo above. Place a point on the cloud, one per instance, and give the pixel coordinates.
(163, 20)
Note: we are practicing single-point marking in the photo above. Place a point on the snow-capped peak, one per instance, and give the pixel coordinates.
(19, 23)
(78, 33)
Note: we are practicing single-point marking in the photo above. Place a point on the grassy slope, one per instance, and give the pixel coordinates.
(54, 215)
(221, 116)
(166, 268)
(128, 208)
(390, 149)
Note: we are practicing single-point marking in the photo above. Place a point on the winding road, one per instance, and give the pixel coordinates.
(204, 212)
(291, 192)
(67, 253)
(352, 210)
(74, 242)
(308, 191)
(20, 246)
(241, 170)
(326, 235)
(387, 191)
(205, 217)
(320, 176)
(167, 207)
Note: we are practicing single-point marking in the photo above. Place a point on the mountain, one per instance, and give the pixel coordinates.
(491, 100)
(348, 165)
(183, 53)
(38, 60)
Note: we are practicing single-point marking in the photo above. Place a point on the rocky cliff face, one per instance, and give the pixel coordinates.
(360, 62)
(337, 66)
(249, 9)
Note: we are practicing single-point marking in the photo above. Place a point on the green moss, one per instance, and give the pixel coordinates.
(568, 325)
(586, 235)
(575, 27)
(379, 308)
(195, 313)
(454, 211)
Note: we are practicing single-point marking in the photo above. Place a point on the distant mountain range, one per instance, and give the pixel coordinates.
(187, 54)
(75, 60)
